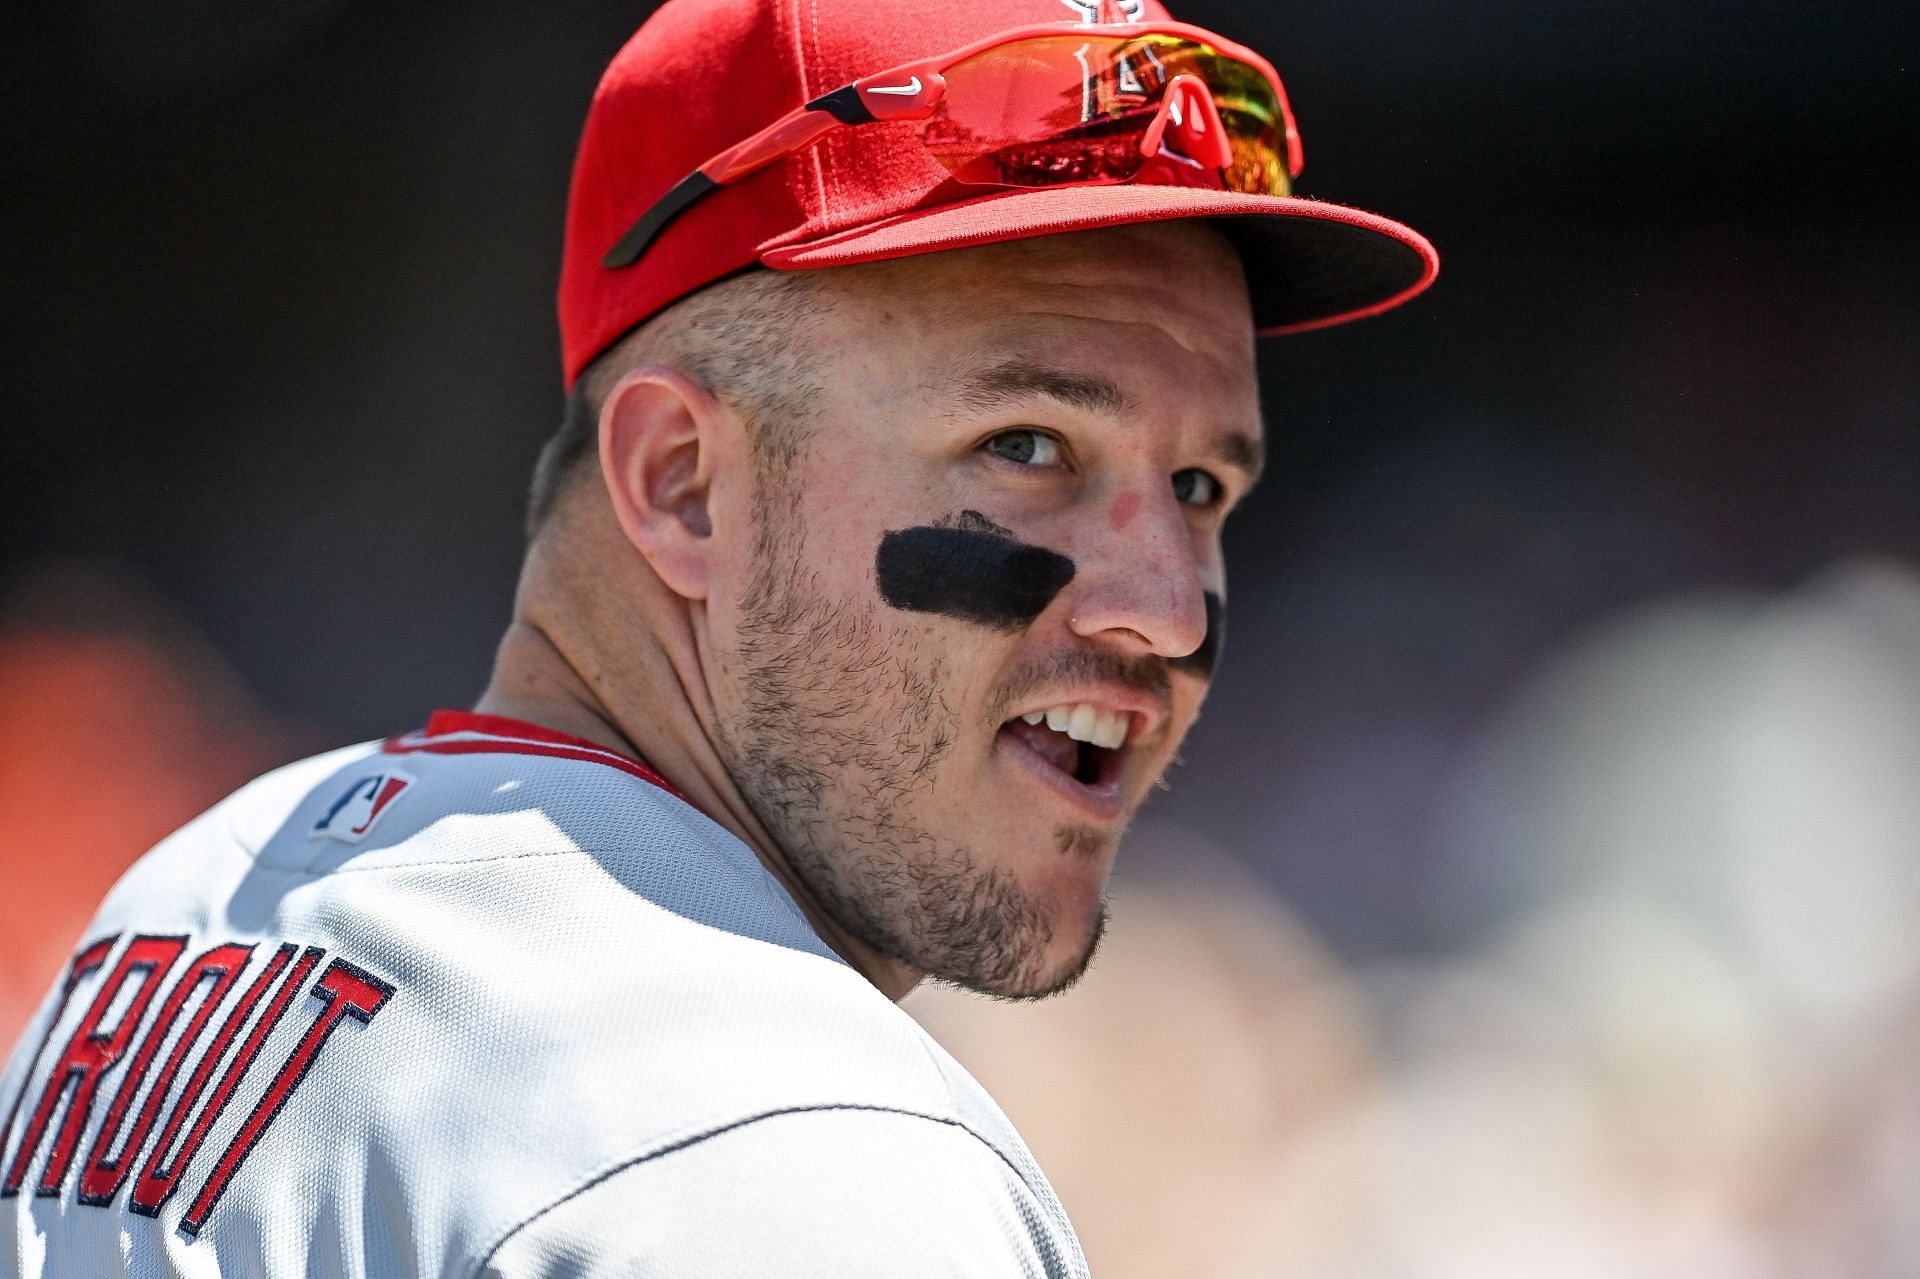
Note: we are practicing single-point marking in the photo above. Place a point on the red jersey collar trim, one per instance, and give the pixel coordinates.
(451, 732)
(441, 723)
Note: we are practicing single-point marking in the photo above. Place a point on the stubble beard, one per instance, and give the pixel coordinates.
(843, 723)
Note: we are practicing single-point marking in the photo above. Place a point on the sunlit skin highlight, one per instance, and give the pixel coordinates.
(1090, 394)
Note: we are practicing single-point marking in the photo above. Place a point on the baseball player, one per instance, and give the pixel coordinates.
(866, 597)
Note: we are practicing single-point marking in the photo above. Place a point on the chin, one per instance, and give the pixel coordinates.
(1020, 923)
(1065, 960)
(1072, 895)
(1070, 907)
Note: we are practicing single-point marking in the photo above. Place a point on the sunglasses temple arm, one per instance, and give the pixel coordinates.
(658, 214)
(784, 136)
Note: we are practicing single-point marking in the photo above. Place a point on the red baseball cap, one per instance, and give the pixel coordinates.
(702, 75)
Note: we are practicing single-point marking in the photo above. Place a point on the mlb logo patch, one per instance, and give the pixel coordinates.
(353, 814)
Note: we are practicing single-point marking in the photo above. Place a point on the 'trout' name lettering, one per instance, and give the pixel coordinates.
(80, 1076)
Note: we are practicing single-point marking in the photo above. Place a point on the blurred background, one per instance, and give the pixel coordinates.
(1540, 893)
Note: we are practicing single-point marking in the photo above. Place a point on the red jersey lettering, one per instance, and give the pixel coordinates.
(155, 1187)
(89, 958)
(91, 1053)
(346, 991)
(218, 969)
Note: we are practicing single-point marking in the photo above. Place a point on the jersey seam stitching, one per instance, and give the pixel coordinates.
(610, 851)
(621, 1165)
(1040, 1201)
(783, 900)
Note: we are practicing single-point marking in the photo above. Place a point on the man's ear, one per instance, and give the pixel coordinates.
(662, 438)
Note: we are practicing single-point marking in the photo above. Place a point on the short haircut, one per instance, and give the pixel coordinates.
(746, 340)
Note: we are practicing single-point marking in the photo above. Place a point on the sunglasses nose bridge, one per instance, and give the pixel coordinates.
(1188, 126)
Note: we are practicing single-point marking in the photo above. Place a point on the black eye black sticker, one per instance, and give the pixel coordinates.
(970, 568)
(1201, 660)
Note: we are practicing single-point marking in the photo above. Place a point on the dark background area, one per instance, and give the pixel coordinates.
(279, 350)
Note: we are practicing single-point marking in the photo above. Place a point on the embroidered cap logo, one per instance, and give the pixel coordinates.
(1093, 12)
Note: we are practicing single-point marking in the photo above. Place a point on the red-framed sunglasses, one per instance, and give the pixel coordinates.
(1055, 104)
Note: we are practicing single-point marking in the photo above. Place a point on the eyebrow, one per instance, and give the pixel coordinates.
(1246, 452)
(1019, 380)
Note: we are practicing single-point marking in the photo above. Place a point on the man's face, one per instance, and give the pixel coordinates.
(1008, 508)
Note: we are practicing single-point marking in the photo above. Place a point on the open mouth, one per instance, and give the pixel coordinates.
(1080, 742)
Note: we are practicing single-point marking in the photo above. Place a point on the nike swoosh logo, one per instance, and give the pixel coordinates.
(904, 90)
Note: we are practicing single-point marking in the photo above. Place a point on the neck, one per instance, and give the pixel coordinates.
(648, 701)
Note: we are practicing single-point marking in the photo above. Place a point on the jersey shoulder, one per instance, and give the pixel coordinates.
(439, 984)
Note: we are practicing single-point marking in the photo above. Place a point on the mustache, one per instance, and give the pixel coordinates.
(1086, 666)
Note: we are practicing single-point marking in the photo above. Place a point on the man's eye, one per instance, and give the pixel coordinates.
(1195, 487)
(1028, 448)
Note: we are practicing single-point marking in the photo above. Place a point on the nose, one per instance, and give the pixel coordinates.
(1138, 587)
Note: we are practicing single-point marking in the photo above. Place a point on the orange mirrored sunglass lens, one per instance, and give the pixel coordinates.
(1061, 110)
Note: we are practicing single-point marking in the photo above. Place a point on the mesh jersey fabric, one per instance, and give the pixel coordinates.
(533, 1015)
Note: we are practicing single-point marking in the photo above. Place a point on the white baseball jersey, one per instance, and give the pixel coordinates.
(489, 1001)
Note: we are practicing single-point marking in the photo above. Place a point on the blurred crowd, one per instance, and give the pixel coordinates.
(118, 722)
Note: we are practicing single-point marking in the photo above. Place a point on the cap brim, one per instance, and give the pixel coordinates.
(1309, 264)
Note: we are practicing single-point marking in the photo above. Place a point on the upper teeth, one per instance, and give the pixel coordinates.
(1085, 722)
